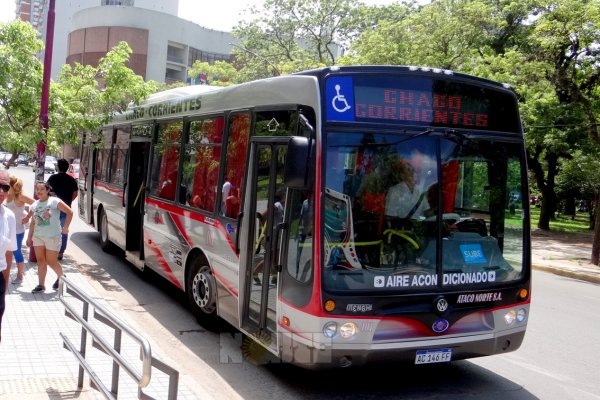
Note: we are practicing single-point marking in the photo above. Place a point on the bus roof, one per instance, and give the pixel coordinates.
(426, 71)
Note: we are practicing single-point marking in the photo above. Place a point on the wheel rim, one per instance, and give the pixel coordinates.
(202, 290)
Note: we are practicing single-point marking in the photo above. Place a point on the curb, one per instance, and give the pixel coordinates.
(581, 275)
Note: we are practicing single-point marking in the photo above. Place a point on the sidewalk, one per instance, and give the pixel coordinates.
(564, 254)
(35, 366)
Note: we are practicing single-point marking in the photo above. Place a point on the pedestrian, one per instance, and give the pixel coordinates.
(65, 188)
(45, 232)
(18, 203)
(8, 241)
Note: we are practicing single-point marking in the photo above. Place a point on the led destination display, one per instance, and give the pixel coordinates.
(420, 101)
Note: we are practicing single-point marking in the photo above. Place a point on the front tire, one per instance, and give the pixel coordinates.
(201, 289)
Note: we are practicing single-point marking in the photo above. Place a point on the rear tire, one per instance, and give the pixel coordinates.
(201, 289)
(103, 230)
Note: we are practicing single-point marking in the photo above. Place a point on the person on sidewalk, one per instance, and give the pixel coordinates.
(65, 188)
(18, 203)
(45, 232)
(8, 241)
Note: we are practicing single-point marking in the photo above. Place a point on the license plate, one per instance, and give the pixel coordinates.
(433, 356)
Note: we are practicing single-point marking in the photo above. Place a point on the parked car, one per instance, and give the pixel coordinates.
(22, 159)
(73, 170)
(50, 164)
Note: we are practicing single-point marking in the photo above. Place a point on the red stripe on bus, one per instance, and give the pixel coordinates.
(169, 272)
(229, 286)
(100, 185)
(195, 216)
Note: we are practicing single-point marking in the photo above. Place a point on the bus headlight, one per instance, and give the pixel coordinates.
(521, 315)
(330, 329)
(510, 317)
(348, 330)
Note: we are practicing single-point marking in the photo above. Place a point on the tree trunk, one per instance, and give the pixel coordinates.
(548, 195)
(596, 243)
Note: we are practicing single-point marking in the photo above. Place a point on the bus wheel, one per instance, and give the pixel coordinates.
(202, 292)
(103, 229)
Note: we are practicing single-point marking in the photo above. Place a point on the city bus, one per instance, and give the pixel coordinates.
(337, 217)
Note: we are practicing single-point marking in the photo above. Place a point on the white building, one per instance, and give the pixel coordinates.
(164, 46)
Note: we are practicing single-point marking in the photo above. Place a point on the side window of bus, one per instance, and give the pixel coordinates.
(119, 152)
(235, 164)
(165, 160)
(201, 164)
(299, 260)
(103, 155)
(276, 123)
(85, 157)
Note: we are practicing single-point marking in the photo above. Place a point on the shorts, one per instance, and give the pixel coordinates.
(50, 243)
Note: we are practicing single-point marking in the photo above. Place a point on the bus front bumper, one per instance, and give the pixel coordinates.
(399, 352)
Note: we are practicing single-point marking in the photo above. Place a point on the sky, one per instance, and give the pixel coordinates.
(221, 15)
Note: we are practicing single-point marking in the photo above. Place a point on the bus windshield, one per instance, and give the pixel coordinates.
(422, 211)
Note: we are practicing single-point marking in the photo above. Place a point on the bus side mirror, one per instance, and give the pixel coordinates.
(297, 165)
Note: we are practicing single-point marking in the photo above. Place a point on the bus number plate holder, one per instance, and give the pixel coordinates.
(433, 356)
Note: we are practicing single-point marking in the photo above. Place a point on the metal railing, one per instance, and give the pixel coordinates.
(110, 319)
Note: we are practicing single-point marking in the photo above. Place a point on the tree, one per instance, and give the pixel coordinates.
(570, 44)
(291, 35)
(221, 73)
(548, 51)
(85, 96)
(20, 87)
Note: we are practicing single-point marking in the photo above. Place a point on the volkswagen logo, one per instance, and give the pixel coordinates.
(441, 305)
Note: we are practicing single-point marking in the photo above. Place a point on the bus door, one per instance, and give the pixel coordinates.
(134, 201)
(265, 226)
(86, 181)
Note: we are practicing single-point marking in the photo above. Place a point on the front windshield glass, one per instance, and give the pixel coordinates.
(403, 212)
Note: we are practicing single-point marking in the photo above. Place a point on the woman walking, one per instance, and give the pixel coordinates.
(16, 201)
(45, 233)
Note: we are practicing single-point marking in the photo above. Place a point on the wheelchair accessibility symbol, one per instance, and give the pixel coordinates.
(339, 102)
(340, 98)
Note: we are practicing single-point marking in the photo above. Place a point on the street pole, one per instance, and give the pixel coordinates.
(41, 146)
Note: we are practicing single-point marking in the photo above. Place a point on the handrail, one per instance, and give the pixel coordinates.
(107, 317)
(142, 379)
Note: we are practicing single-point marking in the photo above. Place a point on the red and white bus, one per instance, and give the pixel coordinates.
(337, 216)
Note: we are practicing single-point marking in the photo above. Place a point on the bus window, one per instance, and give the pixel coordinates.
(235, 164)
(276, 123)
(119, 153)
(300, 261)
(102, 160)
(201, 166)
(165, 160)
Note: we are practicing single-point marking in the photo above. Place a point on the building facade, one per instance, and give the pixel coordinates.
(164, 46)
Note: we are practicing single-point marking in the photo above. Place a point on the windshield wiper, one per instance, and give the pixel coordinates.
(455, 136)
(414, 136)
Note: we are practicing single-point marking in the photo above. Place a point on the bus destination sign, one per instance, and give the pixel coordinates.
(418, 101)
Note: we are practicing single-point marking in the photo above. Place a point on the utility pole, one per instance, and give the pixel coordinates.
(41, 146)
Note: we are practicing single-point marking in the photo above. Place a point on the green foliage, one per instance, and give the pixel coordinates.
(85, 97)
(20, 86)
(290, 35)
(220, 73)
